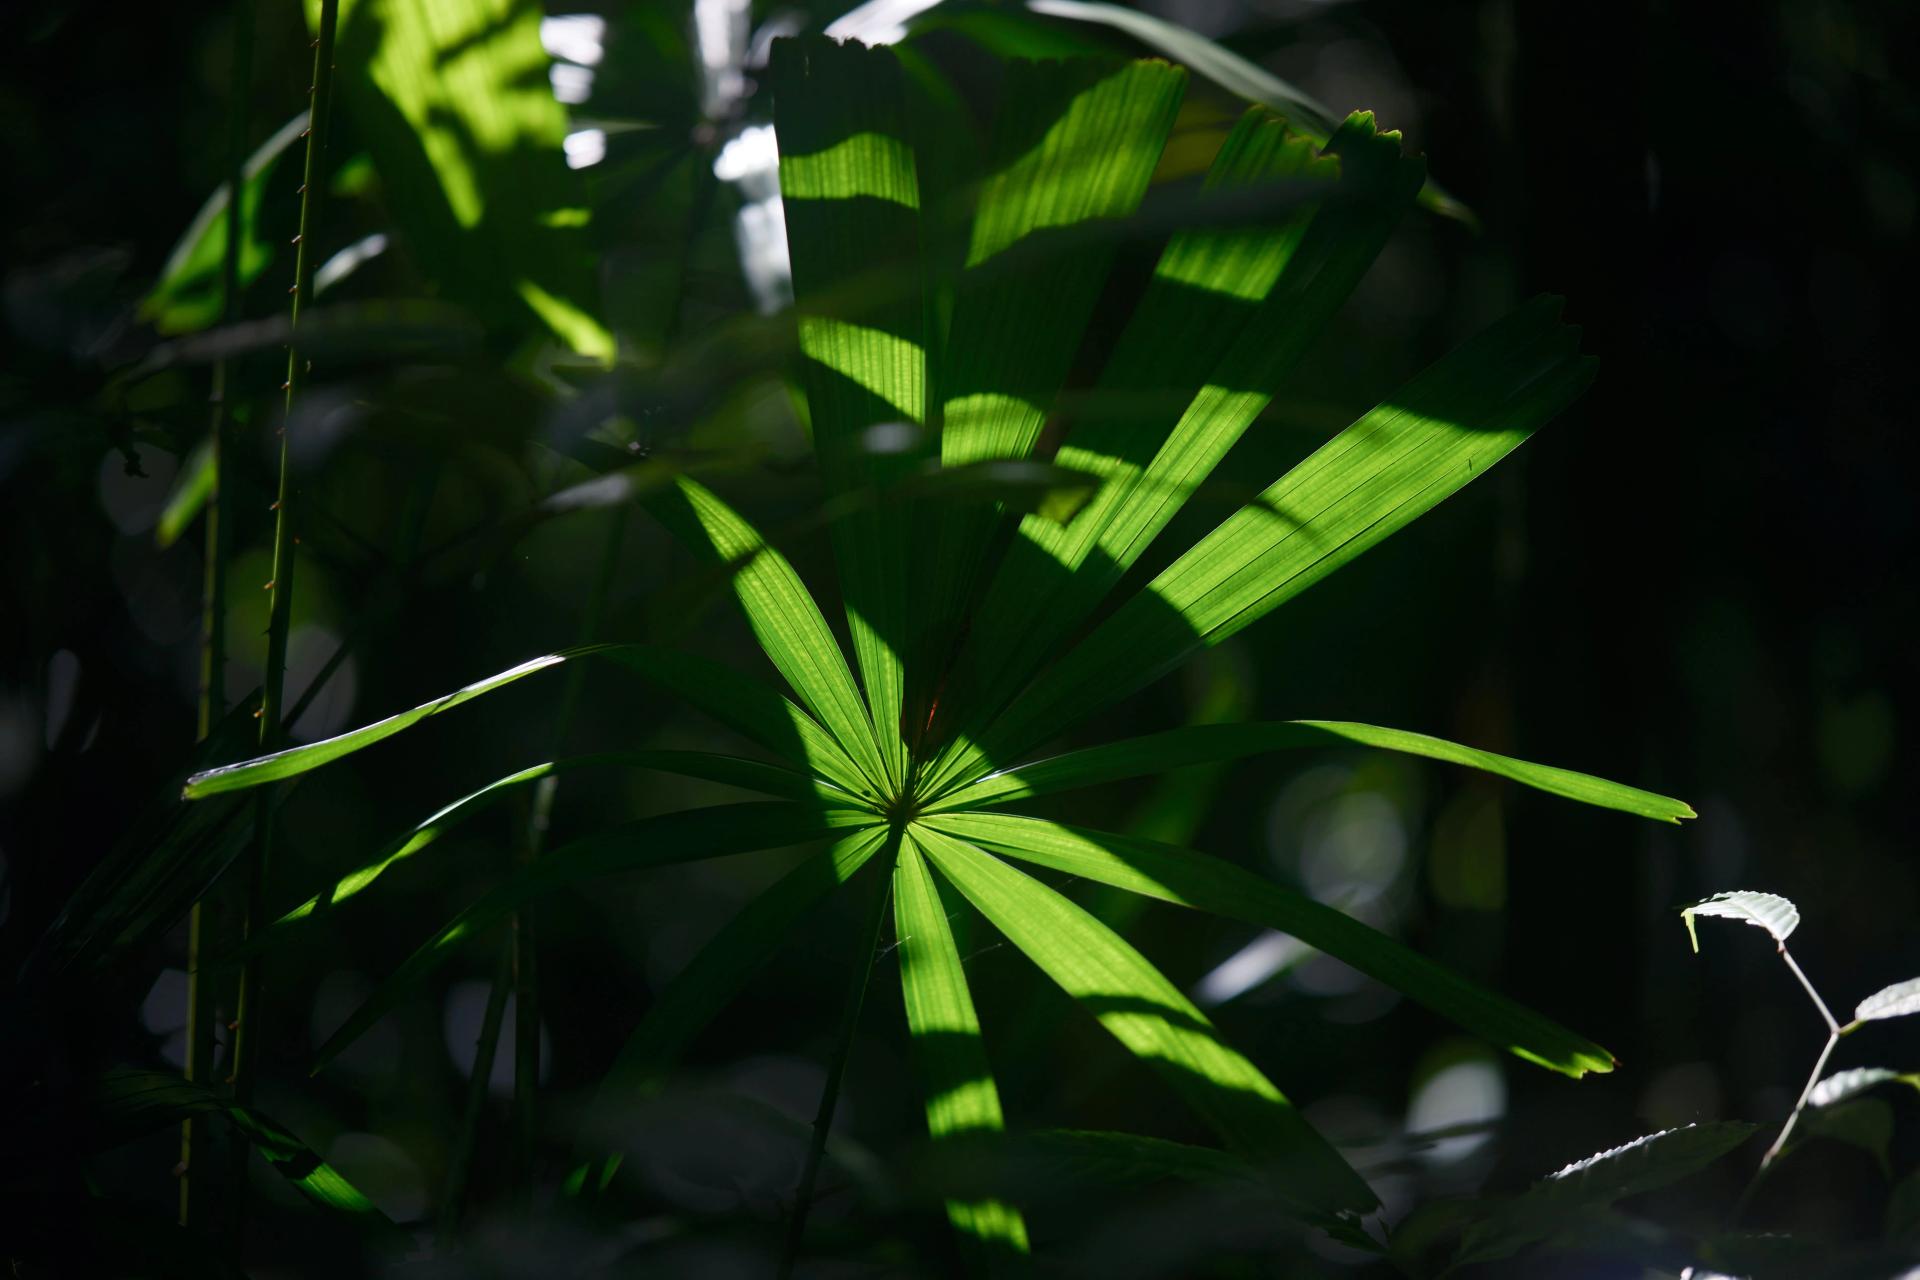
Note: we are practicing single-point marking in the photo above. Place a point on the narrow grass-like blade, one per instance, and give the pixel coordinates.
(729, 697)
(453, 100)
(1230, 309)
(1203, 744)
(1228, 70)
(1074, 143)
(689, 836)
(782, 614)
(131, 1101)
(1191, 879)
(956, 1078)
(1149, 1015)
(851, 190)
(751, 775)
(716, 975)
(191, 489)
(1442, 430)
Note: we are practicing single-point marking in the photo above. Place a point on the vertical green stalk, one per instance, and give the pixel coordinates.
(195, 1174)
(861, 972)
(251, 1007)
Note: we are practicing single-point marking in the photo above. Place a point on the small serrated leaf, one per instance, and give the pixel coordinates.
(1896, 1001)
(1842, 1085)
(1768, 911)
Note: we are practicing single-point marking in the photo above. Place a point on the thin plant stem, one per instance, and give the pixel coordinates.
(862, 971)
(1834, 1032)
(479, 1084)
(202, 923)
(526, 958)
(250, 1009)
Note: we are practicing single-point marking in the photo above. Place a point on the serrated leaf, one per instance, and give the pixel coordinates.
(1896, 1001)
(1202, 744)
(956, 1079)
(1842, 1085)
(1150, 1016)
(1195, 880)
(1645, 1164)
(692, 835)
(1434, 436)
(1768, 911)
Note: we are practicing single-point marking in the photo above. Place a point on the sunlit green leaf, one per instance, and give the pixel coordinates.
(1896, 1001)
(1201, 744)
(1150, 1016)
(1842, 1085)
(1195, 880)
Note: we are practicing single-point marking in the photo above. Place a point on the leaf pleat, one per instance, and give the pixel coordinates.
(1229, 311)
(1190, 879)
(689, 836)
(851, 191)
(957, 1081)
(1150, 1016)
(1156, 753)
(1443, 429)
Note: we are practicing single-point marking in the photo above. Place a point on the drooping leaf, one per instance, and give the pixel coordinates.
(130, 1101)
(1150, 1016)
(1768, 911)
(748, 774)
(1842, 1085)
(1446, 427)
(1645, 1164)
(1201, 744)
(782, 614)
(1191, 879)
(733, 699)
(187, 295)
(453, 100)
(1896, 1001)
(716, 975)
(630, 846)
(851, 191)
(956, 1079)
(1227, 69)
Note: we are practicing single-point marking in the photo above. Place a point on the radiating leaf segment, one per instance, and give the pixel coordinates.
(953, 611)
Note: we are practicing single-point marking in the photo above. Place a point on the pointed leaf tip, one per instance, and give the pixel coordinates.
(1896, 1001)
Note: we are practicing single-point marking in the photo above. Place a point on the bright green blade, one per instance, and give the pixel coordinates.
(1150, 1016)
(781, 613)
(1230, 71)
(188, 294)
(1074, 143)
(1191, 879)
(736, 701)
(689, 836)
(1207, 743)
(1446, 427)
(452, 98)
(749, 774)
(130, 1101)
(851, 190)
(716, 975)
(191, 488)
(1228, 312)
(956, 1079)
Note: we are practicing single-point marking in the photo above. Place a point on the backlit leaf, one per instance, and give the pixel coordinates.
(1768, 911)
(1842, 1085)
(1896, 1001)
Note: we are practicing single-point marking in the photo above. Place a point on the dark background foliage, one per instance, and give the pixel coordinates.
(1699, 581)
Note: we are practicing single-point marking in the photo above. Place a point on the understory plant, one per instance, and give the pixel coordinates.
(944, 300)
